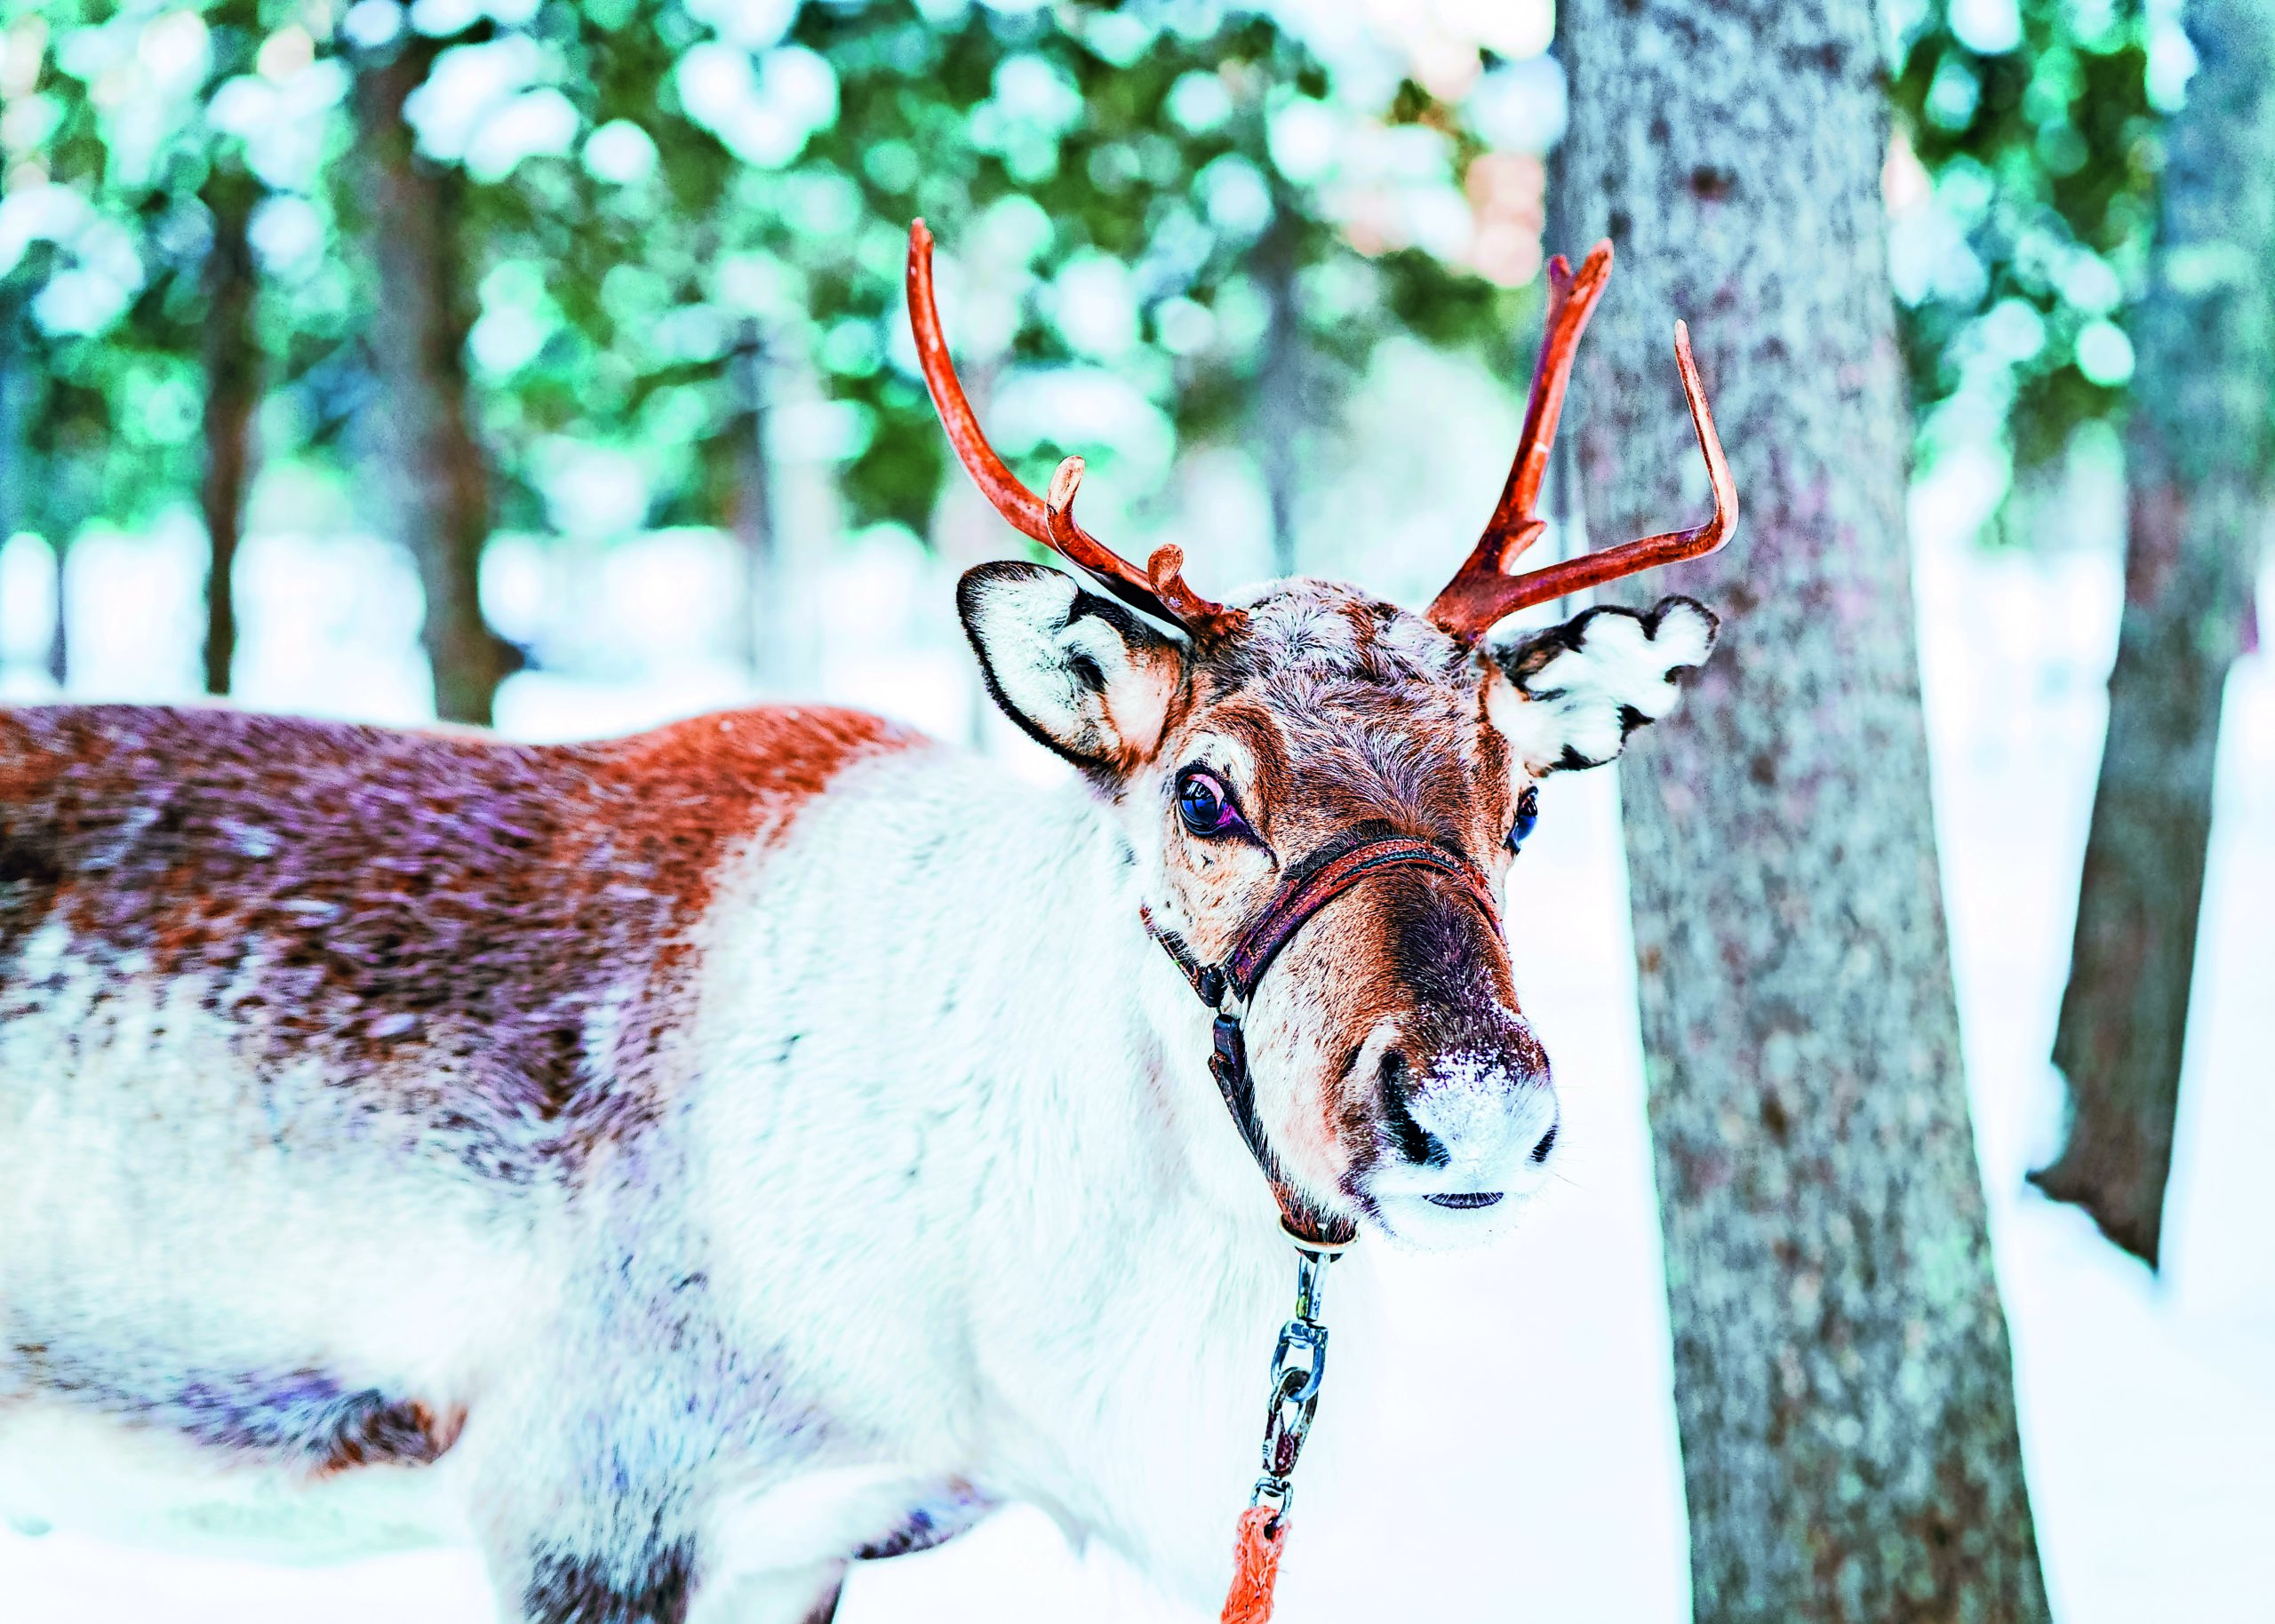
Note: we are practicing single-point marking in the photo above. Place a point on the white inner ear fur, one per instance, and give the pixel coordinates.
(1576, 707)
(1068, 671)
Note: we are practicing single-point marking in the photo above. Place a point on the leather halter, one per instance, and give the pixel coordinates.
(1227, 987)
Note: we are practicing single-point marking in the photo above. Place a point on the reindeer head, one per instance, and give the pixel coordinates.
(1243, 748)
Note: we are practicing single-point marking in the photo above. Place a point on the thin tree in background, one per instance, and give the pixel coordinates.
(1843, 1383)
(59, 635)
(760, 630)
(2197, 450)
(419, 330)
(1279, 378)
(232, 360)
(14, 384)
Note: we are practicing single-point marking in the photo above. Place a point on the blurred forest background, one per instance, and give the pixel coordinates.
(581, 271)
(543, 364)
(563, 274)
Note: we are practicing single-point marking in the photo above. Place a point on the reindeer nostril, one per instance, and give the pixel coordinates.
(1547, 1143)
(1419, 1144)
(1415, 1142)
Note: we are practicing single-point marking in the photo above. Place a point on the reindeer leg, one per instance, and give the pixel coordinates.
(791, 1596)
(630, 1562)
(824, 1611)
(654, 1584)
(572, 1547)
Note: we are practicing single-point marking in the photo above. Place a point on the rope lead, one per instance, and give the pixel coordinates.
(1299, 1365)
(1256, 1567)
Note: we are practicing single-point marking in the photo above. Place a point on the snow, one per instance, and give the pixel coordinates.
(1500, 1424)
(2148, 1410)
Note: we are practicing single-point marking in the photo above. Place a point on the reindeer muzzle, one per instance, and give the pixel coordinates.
(1227, 987)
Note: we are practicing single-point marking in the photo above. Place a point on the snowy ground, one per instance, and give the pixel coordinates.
(1503, 1418)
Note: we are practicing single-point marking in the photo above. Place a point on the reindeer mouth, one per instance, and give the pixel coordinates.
(1467, 1202)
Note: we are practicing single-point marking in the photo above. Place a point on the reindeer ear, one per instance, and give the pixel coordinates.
(1584, 686)
(1080, 673)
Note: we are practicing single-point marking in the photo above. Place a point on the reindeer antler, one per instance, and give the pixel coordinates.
(1159, 589)
(1482, 591)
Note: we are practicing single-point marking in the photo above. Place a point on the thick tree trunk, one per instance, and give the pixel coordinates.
(232, 393)
(1842, 1378)
(2197, 450)
(418, 337)
(760, 631)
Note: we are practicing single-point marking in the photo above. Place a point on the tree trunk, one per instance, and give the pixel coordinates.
(2196, 471)
(232, 393)
(20, 469)
(58, 636)
(418, 337)
(1842, 1380)
(1280, 381)
(13, 452)
(760, 631)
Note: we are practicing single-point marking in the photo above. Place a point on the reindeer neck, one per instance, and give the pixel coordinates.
(978, 1010)
(1130, 1041)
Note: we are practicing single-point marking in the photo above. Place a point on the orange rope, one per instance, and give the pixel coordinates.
(1255, 1567)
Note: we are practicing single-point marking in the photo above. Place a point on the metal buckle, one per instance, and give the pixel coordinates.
(1310, 1336)
(1298, 1370)
(1275, 1496)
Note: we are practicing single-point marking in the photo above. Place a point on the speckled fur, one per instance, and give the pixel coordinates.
(495, 935)
(682, 1165)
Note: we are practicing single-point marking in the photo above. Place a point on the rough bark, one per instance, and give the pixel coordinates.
(232, 393)
(1843, 1383)
(413, 209)
(759, 629)
(2196, 469)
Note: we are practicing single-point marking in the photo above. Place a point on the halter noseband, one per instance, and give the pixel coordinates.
(1227, 987)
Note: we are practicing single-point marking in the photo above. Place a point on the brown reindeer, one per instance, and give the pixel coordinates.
(683, 1166)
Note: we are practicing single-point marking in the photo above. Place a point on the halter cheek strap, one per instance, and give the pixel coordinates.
(1227, 987)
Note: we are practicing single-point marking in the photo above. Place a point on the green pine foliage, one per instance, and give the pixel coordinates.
(2042, 145)
(655, 185)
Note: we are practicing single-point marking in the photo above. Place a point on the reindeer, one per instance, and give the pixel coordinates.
(683, 1166)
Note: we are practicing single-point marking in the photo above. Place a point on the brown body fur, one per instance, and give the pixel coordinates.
(505, 923)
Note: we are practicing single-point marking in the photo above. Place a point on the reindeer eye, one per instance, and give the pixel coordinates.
(1528, 815)
(1203, 804)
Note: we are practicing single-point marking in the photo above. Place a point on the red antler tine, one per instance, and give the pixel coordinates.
(1164, 571)
(1571, 301)
(1479, 610)
(1632, 558)
(1159, 590)
(1002, 489)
